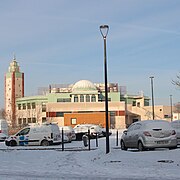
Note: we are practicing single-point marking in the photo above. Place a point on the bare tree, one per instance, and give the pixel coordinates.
(177, 81)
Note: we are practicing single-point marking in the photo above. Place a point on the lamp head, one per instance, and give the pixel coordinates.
(104, 30)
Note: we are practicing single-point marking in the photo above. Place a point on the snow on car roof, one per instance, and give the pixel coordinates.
(149, 124)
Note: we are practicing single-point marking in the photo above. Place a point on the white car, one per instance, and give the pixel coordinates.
(69, 132)
(94, 129)
(44, 135)
(176, 126)
(149, 134)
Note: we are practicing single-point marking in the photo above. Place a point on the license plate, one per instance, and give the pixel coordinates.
(161, 142)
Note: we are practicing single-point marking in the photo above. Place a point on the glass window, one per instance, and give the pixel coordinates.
(75, 98)
(59, 114)
(43, 119)
(131, 127)
(23, 132)
(24, 106)
(93, 98)
(28, 105)
(33, 120)
(19, 121)
(29, 120)
(134, 103)
(87, 98)
(33, 105)
(24, 121)
(73, 120)
(43, 107)
(19, 106)
(81, 98)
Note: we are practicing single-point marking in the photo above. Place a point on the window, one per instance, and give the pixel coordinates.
(59, 114)
(87, 98)
(19, 121)
(24, 121)
(43, 119)
(81, 98)
(33, 105)
(167, 116)
(73, 120)
(24, 132)
(24, 106)
(134, 103)
(64, 100)
(43, 107)
(29, 120)
(93, 98)
(33, 120)
(19, 106)
(28, 105)
(75, 98)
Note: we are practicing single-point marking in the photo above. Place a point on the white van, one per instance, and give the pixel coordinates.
(3, 129)
(44, 135)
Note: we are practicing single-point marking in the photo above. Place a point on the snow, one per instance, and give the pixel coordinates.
(77, 162)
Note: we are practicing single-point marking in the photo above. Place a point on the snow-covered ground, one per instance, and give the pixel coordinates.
(19, 163)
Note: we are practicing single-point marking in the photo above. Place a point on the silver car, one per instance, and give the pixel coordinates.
(149, 134)
(176, 126)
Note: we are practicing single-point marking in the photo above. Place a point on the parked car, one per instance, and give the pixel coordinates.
(176, 126)
(3, 129)
(69, 132)
(44, 135)
(149, 134)
(94, 129)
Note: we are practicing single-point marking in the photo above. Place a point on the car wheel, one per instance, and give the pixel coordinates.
(12, 143)
(45, 143)
(172, 147)
(140, 146)
(123, 146)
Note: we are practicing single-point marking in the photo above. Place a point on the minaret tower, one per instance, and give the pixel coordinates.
(14, 88)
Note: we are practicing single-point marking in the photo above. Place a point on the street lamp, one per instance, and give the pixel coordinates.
(171, 107)
(152, 95)
(104, 31)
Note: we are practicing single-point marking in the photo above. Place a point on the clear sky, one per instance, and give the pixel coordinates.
(59, 42)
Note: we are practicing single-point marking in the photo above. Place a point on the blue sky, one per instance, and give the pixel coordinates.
(59, 42)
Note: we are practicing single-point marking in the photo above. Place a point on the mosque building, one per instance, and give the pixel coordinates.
(78, 103)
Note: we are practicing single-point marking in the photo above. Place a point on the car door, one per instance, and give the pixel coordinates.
(128, 136)
(23, 137)
(135, 134)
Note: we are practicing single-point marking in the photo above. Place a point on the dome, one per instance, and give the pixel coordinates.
(84, 85)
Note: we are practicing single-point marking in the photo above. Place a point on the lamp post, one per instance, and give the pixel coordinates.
(152, 95)
(104, 31)
(171, 107)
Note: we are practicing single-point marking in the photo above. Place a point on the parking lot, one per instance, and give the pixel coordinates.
(77, 162)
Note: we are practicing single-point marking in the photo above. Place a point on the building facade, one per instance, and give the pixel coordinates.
(78, 103)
